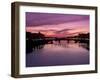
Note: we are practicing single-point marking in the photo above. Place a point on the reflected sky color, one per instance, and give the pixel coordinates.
(62, 53)
(57, 25)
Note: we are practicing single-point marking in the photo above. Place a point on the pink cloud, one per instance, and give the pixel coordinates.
(61, 30)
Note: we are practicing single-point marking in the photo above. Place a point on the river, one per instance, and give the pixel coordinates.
(59, 53)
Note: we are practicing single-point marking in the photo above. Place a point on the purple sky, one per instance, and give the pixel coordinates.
(59, 25)
(37, 19)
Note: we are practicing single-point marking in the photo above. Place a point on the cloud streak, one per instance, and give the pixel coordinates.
(57, 25)
(38, 19)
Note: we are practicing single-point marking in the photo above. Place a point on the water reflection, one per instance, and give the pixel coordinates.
(61, 52)
(62, 43)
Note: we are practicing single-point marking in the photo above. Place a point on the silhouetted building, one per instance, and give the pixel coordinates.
(34, 35)
(33, 42)
(83, 35)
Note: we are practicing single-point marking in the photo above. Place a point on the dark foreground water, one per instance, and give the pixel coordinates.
(58, 53)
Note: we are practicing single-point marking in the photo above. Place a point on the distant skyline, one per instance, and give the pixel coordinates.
(57, 25)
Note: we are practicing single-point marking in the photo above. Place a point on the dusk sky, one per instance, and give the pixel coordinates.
(57, 25)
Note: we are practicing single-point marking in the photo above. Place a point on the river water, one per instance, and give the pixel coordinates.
(59, 53)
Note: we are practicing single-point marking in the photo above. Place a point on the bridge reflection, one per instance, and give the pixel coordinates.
(36, 44)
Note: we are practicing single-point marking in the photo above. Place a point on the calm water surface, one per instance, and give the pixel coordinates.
(58, 53)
